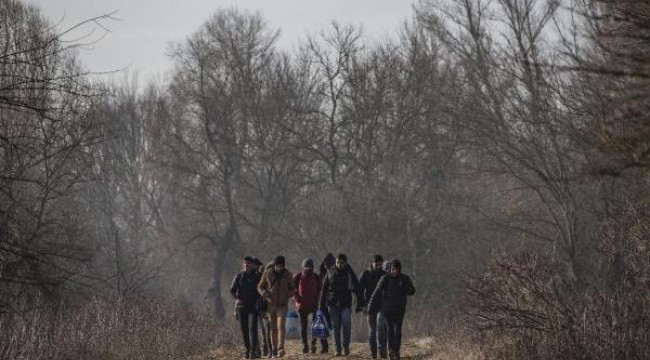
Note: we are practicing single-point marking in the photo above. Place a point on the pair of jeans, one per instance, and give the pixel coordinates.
(305, 327)
(394, 330)
(265, 327)
(248, 324)
(342, 323)
(377, 333)
(278, 317)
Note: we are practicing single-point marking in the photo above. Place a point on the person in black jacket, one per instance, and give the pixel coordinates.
(244, 290)
(368, 282)
(338, 287)
(390, 298)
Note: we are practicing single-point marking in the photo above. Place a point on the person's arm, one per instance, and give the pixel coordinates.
(235, 286)
(376, 295)
(358, 292)
(263, 286)
(363, 282)
(407, 286)
(323, 296)
(296, 281)
(292, 287)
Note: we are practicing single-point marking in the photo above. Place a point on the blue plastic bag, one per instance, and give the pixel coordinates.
(319, 326)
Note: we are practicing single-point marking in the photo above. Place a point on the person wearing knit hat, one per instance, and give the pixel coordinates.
(368, 282)
(390, 299)
(276, 286)
(308, 287)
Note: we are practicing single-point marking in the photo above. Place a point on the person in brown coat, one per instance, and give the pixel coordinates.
(276, 287)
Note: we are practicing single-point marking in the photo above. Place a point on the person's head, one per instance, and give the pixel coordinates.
(395, 267)
(308, 265)
(341, 261)
(377, 262)
(278, 263)
(248, 263)
(386, 266)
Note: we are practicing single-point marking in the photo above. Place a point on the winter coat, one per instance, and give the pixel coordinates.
(276, 288)
(368, 282)
(390, 294)
(338, 287)
(244, 288)
(308, 287)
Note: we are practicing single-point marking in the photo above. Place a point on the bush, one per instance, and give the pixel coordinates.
(523, 309)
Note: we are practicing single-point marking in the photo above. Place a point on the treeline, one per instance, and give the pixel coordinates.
(500, 149)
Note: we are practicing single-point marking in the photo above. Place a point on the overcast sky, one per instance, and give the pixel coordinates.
(139, 40)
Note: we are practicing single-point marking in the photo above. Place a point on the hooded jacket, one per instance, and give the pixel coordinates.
(276, 287)
(308, 287)
(338, 287)
(244, 288)
(391, 293)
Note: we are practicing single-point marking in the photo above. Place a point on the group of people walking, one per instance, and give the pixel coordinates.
(262, 295)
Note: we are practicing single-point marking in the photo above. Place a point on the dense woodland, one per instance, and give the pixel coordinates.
(499, 148)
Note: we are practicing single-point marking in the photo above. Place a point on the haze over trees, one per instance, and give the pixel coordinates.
(500, 149)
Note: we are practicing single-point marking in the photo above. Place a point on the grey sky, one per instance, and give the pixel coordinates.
(140, 39)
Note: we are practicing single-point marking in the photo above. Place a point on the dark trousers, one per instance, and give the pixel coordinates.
(305, 327)
(377, 333)
(248, 323)
(394, 324)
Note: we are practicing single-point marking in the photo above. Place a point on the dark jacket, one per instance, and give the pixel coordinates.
(368, 282)
(390, 294)
(308, 287)
(244, 288)
(338, 287)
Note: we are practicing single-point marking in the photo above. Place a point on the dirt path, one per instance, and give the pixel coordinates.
(410, 351)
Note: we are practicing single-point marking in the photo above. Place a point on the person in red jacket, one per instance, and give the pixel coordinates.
(308, 286)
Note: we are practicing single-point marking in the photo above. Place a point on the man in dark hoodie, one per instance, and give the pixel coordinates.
(244, 290)
(390, 298)
(368, 282)
(338, 287)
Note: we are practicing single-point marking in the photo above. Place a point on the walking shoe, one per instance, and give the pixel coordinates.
(305, 349)
(337, 353)
(254, 355)
(313, 348)
(373, 355)
(273, 354)
(324, 350)
(346, 351)
(280, 353)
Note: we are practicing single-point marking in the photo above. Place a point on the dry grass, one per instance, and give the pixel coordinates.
(110, 330)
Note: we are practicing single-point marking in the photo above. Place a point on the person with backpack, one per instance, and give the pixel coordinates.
(338, 288)
(389, 299)
(308, 287)
(368, 282)
(244, 290)
(276, 287)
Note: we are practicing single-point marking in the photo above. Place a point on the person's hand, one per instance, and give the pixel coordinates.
(238, 302)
